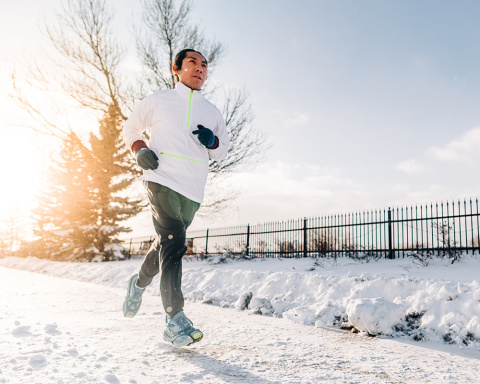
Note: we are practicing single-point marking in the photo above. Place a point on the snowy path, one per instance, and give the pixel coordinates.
(55, 330)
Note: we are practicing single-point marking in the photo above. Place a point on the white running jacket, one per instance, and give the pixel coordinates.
(172, 115)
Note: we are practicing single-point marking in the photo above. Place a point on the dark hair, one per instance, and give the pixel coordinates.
(181, 55)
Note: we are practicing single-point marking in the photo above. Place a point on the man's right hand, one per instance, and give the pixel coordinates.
(147, 159)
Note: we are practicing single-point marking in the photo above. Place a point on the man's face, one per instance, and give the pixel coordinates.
(193, 72)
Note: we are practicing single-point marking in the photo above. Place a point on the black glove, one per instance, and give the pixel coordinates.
(205, 136)
(146, 158)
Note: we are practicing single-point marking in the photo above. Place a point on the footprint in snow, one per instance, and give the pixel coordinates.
(73, 352)
(51, 329)
(37, 361)
(22, 331)
(111, 379)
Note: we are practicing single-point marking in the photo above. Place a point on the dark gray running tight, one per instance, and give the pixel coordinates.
(172, 213)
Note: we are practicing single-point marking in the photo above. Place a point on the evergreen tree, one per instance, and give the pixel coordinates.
(84, 199)
(65, 221)
(111, 171)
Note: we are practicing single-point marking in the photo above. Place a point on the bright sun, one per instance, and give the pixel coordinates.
(20, 172)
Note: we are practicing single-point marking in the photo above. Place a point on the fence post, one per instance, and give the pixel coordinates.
(391, 255)
(130, 249)
(247, 250)
(206, 244)
(305, 237)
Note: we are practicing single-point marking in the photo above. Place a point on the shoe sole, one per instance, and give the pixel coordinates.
(185, 341)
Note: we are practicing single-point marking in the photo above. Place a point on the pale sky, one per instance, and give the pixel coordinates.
(366, 104)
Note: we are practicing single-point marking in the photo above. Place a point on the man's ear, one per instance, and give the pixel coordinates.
(175, 69)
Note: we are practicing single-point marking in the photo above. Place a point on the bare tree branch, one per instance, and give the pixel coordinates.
(86, 66)
(85, 40)
(248, 144)
(218, 198)
(169, 30)
(47, 126)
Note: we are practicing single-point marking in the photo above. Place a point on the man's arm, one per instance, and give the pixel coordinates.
(137, 123)
(138, 144)
(219, 150)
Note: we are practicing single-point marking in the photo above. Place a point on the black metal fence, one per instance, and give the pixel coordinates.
(138, 246)
(433, 229)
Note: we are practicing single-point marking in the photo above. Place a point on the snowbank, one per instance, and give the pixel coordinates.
(397, 298)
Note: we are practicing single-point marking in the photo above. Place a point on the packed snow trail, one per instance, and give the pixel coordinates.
(56, 330)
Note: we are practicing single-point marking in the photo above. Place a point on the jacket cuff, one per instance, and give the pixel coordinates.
(139, 144)
(215, 145)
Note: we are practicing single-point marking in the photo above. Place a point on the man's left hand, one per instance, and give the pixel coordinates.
(205, 136)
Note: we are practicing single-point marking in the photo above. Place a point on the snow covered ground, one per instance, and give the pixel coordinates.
(62, 323)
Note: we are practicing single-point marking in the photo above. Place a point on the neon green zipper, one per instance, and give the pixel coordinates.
(188, 125)
(189, 108)
(182, 157)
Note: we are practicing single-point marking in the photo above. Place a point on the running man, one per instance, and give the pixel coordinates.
(186, 131)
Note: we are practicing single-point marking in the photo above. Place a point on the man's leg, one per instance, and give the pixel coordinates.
(138, 282)
(149, 268)
(172, 214)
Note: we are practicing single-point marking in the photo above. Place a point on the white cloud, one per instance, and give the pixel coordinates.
(292, 180)
(411, 167)
(465, 148)
(281, 191)
(299, 119)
